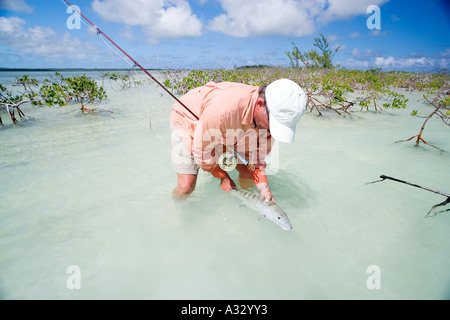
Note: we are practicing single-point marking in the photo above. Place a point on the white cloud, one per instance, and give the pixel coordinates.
(262, 17)
(440, 60)
(395, 18)
(368, 53)
(392, 62)
(159, 19)
(378, 33)
(127, 33)
(354, 64)
(414, 62)
(10, 25)
(445, 54)
(344, 9)
(283, 17)
(15, 5)
(333, 38)
(43, 42)
(340, 47)
(443, 63)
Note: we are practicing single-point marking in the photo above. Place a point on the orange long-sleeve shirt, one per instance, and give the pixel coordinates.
(225, 112)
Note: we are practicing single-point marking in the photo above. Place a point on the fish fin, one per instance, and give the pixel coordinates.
(261, 216)
(242, 205)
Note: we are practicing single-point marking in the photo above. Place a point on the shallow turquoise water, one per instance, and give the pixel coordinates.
(94, 191)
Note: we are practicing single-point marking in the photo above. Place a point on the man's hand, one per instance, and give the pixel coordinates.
(265, 192)
(227, 184)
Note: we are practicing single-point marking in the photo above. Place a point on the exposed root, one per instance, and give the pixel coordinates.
(94, 110)
(419, 138)
(447, 201)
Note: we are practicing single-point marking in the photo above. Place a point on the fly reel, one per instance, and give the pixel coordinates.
(228, 161)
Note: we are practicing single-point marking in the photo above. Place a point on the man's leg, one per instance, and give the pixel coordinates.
(244, 179)
(184, 165)
(186, 185)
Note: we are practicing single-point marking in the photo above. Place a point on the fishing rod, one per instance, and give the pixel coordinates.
(134, 61)
(100, 32)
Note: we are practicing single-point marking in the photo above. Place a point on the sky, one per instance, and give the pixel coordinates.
(197, 34)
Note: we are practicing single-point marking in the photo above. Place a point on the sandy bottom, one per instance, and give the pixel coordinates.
(94, 192)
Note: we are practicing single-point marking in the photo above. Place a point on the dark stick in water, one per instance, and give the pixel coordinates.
(445, 202)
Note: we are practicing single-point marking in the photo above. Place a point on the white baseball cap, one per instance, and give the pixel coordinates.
(286, 102)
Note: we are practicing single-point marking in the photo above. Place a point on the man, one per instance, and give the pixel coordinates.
(228, 116)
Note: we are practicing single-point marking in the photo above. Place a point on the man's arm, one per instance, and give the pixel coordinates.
(258, 172)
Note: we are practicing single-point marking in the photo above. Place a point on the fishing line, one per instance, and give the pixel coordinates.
(135, 63)
(148, 114)
(121, 57)
(136, 74)
(133, 66)
(144, 105)
(100, 32)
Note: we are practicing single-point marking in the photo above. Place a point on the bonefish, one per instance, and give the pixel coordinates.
(269, 210)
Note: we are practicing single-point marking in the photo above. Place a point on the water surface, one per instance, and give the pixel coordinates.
(94, 191)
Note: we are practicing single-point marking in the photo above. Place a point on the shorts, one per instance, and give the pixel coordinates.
(182, 158)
